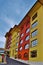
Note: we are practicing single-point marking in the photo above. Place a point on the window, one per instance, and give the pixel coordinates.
(22, 34)
(27, 30)
(34, 53)
(34, 42)
(17, 38)
(34, 24)
(27, 38)
(16, 44)
(26, 46)
(18, 33)
(34, 33)
(16, 49)
(19, 56)
(21, 41)
(26, 55)
(1, 51)
(34, 16)
(16, 56)
(20, 48)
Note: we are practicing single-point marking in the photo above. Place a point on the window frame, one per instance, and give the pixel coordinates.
(35, 44)
(16, 49)
(33, 52)
(26, 55)
(27, 30)
(25, 46)
(21, 42)
(21, 49)
(17, 44)
(34, 16)
(26, 37)
(34, 32)
(34, 24)
(22, 35)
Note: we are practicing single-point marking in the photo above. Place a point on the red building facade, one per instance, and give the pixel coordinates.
(8, 39)
(8, 42)
(23, 47)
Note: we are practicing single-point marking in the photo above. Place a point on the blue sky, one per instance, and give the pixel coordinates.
(11, 13)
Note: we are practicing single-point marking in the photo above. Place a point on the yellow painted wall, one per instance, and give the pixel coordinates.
(40, 35)
(0, 59)
(13, 45)
(39, 47)
(11, 52)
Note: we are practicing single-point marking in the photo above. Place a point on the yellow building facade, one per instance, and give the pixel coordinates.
(14, 42)
(36, 32)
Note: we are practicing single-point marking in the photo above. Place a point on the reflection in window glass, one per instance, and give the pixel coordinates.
(34, 42)
(27, 38)
(26, 46)
(17, 44)
(27, 30)
(21, 41)
(20, 48)
(16, 49)
(34, 24)
(34, 33)
(22, 34)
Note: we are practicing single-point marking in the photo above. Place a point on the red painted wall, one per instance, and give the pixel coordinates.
(8, 42)
(23, 29)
